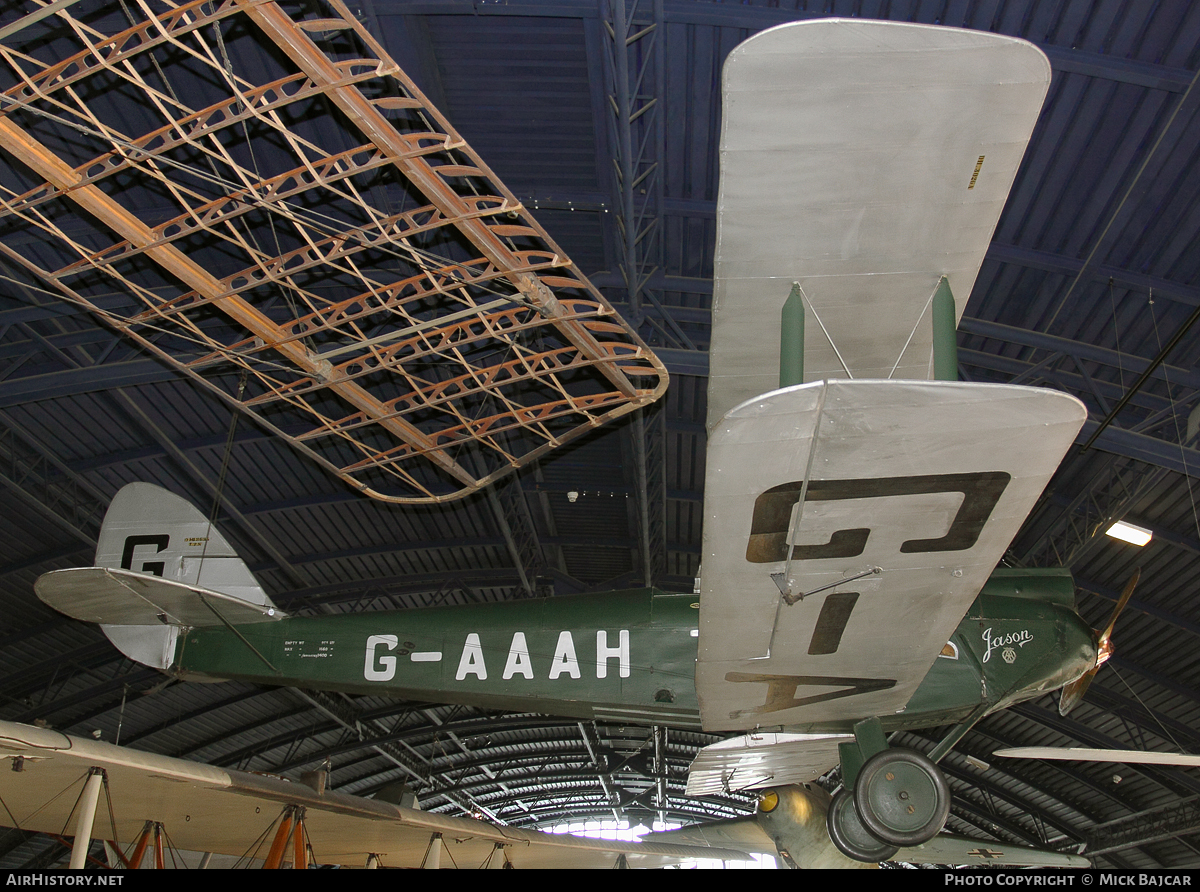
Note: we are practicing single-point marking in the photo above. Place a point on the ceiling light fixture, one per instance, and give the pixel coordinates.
(1127, 532)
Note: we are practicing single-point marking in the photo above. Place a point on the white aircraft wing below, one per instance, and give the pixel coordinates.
(895, 500)
(223, 811)
(1085, 754)
(762, 759)
(865, 161)
(747, 834)
(742, 833)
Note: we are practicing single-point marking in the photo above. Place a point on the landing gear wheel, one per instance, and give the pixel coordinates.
(902, 797)
(850, 836)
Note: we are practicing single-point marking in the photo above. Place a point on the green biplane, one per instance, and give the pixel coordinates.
(856, 506)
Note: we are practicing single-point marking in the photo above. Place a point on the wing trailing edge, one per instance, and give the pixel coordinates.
(761, 759)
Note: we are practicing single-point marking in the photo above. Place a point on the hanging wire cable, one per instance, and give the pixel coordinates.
(1179, 433)
(1158, 360)
(1112, 218)
(1149, 712)
(1112, 302)
(219, 493)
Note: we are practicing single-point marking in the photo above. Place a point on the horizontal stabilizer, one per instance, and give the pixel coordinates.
(762, 759)
(1084, 754)
(124, 598)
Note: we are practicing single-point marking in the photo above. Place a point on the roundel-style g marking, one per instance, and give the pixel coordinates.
(768, 802)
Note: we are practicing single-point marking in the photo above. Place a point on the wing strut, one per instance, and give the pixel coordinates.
(87, 814)
(784, 580)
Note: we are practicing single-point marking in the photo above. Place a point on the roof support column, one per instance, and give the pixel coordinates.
(649, 442)
(634, 74)
(603, 774)
(511, 512)
(661, 803)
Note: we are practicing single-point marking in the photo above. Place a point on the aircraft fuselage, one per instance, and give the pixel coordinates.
(793, 816)
(625, 655)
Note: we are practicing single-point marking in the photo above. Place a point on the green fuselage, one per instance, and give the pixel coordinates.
(626, 655)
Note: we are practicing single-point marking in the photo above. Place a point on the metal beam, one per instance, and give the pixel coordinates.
(511, 513)
(349, 717)
(756, 18)
(603, 775)
(1175, 375)
(1145, 827)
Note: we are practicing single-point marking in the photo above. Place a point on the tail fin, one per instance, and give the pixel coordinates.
(152, 531)
(149, 532)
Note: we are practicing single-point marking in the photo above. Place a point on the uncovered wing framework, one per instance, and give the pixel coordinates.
(208, 809)
(304, 235)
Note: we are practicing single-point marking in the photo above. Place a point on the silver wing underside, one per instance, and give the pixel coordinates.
(894, 501)
(762, 759)
(863, 160)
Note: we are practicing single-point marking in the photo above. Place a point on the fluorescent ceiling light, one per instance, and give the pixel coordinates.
(1127, 532)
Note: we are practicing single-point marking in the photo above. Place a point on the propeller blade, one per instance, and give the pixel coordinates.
(1124, 599)
(1073, 692)
(1084, 754)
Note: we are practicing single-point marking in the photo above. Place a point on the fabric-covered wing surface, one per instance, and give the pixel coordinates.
(304, 235)
(864, 160)
(208, 809)
(898, 498)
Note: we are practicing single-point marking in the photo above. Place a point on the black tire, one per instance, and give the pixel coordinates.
(901, 797)
(849, 835)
